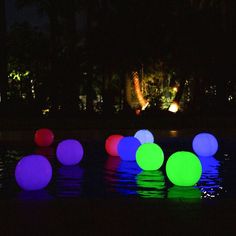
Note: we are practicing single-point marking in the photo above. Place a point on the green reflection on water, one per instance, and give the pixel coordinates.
(151, 184)
(184, 193)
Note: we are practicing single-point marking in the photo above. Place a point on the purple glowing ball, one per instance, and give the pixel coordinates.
(33, 172)
(69, 152)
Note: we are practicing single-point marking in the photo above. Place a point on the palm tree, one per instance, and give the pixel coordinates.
(3, 54)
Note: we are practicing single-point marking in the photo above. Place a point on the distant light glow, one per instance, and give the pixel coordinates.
(183, 168)
(205, 144)
(175, 89)
(127, 148)
(142, 101)
(144, 136)
(44, 137)
(33, 172)
(111, 144)
(149, 156)
(69, 152)
(174, 107)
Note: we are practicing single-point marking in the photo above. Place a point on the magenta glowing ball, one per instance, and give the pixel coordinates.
(127, 148)
(43, 137)
(69, 152)
(33, 172)
(111, 144)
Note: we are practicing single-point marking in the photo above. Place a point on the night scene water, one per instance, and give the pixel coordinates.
(101, 176)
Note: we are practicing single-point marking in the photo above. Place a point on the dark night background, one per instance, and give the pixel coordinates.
(73, 58)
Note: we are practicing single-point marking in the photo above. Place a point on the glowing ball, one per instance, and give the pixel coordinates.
(33, 172)
(127, 148)
(69, 152)
(149, 156)
(144, 136)
(111, 144)
(43, 137)
(205, 144)
(183, 168)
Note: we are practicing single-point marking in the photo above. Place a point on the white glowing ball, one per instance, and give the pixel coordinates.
(205, 145)
(144, 136)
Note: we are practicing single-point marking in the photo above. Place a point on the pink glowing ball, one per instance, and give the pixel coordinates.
(43, 137)
(111, 144)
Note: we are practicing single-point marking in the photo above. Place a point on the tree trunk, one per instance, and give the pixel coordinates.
(3, 54)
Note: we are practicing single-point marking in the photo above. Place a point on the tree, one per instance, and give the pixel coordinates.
(3, 54)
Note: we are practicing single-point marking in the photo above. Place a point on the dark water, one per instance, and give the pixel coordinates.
(100, 176)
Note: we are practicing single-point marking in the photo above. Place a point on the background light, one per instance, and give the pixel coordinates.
(183, 168)
(43, 137)
(127, 148)
(69, 152)
(174, 107)
(33, 172)
(205, 144)
(144, 136)
(111, 144)
(149, 156)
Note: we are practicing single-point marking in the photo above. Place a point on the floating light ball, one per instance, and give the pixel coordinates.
(69, 152)
(183, 168)
(205, 144)
(111, 144)
(149, 156)
(127, 148)
(33, 172)
(144, 136)
(43, 137)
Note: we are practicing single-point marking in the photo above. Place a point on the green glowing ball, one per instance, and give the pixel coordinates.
(149, 156)
(183, 168)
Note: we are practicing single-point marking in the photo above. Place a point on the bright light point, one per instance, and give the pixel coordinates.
(111, 144)
(145, 106)
(69, 152)
(183, 168)
(175, 89)
(33, 172)
(43, 137)
(149, 156)
(127, 148)
(174, 107)
(144, 136)
(205, 144)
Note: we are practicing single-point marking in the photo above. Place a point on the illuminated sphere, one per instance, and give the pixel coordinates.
(144, 136)
(127, 148)
(205, 144)
(149, 156)
(111, 144)
(33, 172)
(43, 137)
(69, 152)
(183, 168)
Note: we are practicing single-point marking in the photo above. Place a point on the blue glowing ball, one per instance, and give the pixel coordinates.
(205, 144)
(144, 136)
(69, 152)
(127, 148)
(33, 172)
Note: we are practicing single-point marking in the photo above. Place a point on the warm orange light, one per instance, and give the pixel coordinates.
(142, 101)
(174, 107)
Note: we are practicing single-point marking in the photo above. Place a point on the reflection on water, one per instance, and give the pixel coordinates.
(210, 182)
(69, 180)
(99, 176)
(151, 184)
(184, 193)
(39, 195)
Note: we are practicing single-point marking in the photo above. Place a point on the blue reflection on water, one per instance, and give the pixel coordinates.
(69, 181)
(39, 195)
(210, 182)
(151, 184)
